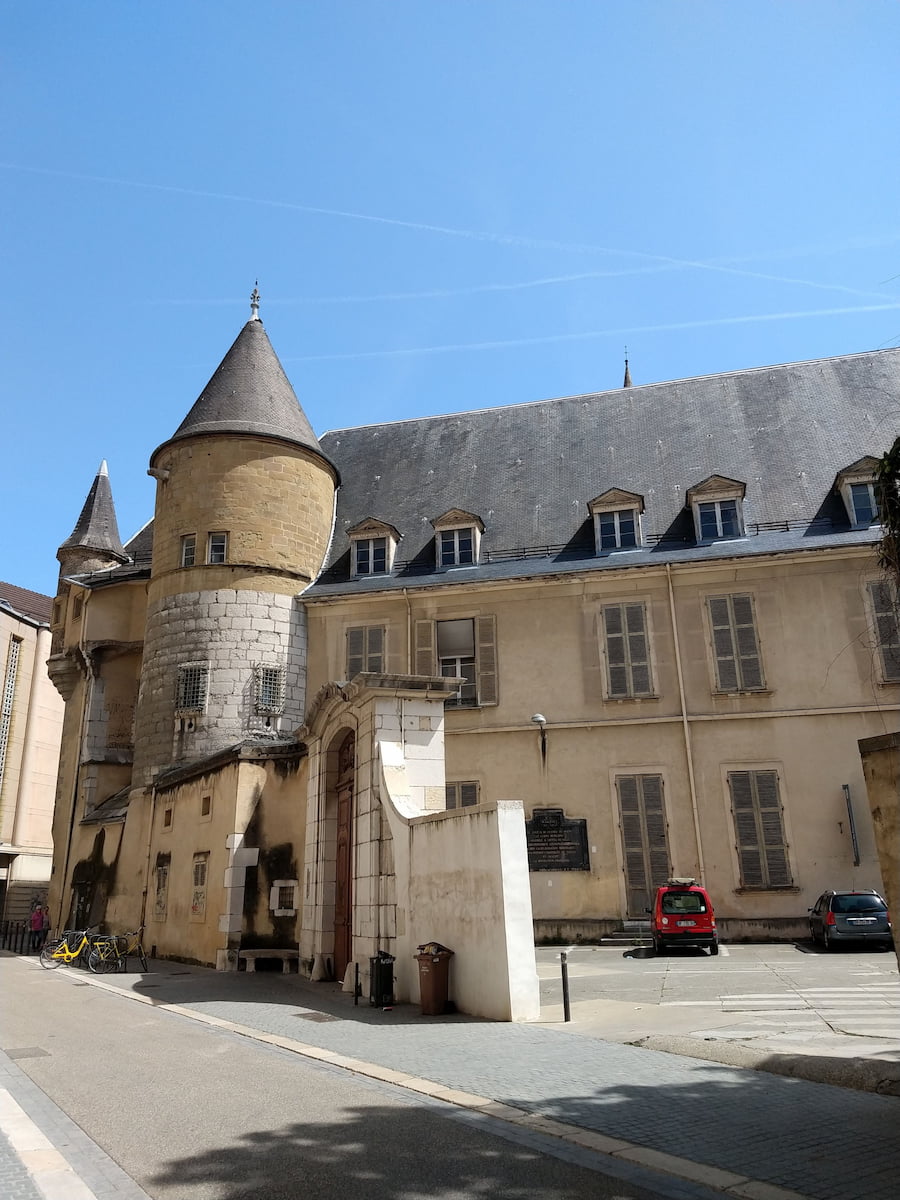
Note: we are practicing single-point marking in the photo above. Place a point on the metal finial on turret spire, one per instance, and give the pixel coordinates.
(254, 302)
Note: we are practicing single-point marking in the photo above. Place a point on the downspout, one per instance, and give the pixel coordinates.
(688, 752)
(65, 891)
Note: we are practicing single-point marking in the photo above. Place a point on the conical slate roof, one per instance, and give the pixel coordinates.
(249, 393)
(97, 527)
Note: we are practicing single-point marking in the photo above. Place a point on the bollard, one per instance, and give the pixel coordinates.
(564, 965)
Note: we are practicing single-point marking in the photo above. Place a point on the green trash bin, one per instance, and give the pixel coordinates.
(434, 978)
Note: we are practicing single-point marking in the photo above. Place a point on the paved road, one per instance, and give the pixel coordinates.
(780, 998)
(177, 1109)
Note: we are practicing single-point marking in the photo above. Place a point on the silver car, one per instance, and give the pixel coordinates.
(858, 916)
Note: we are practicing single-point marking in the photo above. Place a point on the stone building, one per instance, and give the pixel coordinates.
(476, 677)
(31, 716)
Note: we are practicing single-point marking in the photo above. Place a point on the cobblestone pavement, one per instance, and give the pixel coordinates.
(811, 1139)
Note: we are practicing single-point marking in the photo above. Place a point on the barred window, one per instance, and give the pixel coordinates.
(268, 688)
(759, 829)
(627, 651)
(735, 645)
(286, 896)
(192, 687)
(365, 650)
(462, 795)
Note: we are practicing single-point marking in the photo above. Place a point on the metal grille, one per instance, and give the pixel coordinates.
(9, 695)
(269, 686)
(193, 682)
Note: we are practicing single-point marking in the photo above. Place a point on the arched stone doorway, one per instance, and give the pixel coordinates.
(343, 876)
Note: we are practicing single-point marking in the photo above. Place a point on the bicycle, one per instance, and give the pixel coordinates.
(68, 949)
(109, 952)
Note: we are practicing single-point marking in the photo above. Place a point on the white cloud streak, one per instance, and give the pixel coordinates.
(629, 330)
(665, 260)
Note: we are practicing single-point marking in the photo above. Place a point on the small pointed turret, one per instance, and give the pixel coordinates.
(94, 544)
(627, 382)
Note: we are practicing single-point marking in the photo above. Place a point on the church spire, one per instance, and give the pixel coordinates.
(627, 382)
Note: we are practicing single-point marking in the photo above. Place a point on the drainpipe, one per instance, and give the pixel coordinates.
(409, 665)
(688, 753)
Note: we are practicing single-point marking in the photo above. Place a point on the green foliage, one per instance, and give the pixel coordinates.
(887, 492)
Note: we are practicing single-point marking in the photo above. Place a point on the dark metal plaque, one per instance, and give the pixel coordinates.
(556, 842)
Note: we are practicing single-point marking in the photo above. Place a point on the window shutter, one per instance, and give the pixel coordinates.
(638, 650)
(774, 849)
(655, 821)
(723, 644)
(356, 640)
(632, 840)
(425, 649)
(468, 794)
(884, 606)
(747, 644)
(486, 657)
(745, 829)
(375, 649)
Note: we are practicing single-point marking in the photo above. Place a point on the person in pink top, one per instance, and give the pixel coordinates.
(37, 927)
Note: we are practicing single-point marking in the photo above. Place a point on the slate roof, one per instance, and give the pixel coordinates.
(34, 605)
(97, 527)
(248, 393)
(529, 470)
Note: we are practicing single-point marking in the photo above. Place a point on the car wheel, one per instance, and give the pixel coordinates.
(658, 947)
(714, 947)
(827, 943)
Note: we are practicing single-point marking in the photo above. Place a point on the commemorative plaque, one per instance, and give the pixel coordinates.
(556, 842)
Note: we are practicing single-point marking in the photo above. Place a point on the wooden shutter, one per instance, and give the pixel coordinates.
(375, 649)
(747, 645)
(756, 807)
(425, 648)
(884, 607)
(356, 650)
(627, 650)
(638, 650)
(723, 644)
(644, 840)
(616, 662)
(486, 659)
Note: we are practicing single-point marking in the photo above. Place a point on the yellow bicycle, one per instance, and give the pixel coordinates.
(68, 949)
(109, 952)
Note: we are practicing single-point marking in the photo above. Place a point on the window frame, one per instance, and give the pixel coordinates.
(456, 526)
(740, 659)
(744, 847)
(454, 789)
(372, 659)
(275, 897)
(628, 664)
(188, 550)
(185, 705)
(428, 663)
(720, 534)
(617, 544)
(877, 616)
(369, 546)
(218, 534)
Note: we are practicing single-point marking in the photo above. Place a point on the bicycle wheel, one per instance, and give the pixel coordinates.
(142, 958)
(102, 960)
(47, 959)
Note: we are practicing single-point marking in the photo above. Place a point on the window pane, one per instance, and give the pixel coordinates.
(729, 518)
(709, 524)
(218, 544)
(456, 638)
(448, 548)
(627, 535)
(607, 531)
(865, 508)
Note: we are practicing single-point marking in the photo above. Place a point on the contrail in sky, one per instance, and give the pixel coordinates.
(598, 333)
(469, 234)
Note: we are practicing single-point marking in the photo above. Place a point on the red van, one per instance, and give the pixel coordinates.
(682, 915)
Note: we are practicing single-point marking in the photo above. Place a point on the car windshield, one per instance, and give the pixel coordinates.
(857, 904)
(683, 902)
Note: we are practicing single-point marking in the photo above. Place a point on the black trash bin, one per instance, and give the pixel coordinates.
(434, 978)
(381, 980)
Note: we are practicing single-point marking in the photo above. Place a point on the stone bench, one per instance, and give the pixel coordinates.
(286, 956)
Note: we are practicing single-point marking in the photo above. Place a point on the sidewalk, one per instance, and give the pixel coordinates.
(745, 1132)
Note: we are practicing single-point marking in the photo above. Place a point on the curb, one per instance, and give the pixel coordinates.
(727, 1182)
(876, 1075)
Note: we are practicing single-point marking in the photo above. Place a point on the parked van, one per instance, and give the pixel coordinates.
(682, 915)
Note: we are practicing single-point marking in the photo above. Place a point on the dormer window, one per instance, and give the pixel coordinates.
(617, 520)
(372, 547)
(717, 505)
(457, 538)
(856, 485)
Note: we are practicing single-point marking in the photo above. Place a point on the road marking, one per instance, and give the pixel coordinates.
(52, 1175)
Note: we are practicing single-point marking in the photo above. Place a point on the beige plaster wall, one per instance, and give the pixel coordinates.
(881, 764)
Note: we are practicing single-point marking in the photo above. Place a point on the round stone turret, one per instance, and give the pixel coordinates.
(244, 509)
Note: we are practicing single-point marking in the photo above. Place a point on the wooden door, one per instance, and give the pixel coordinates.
(343, 887)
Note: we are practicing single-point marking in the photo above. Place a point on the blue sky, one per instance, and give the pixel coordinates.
(447, 206)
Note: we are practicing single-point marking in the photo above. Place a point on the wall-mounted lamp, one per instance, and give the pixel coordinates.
(540, 720)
